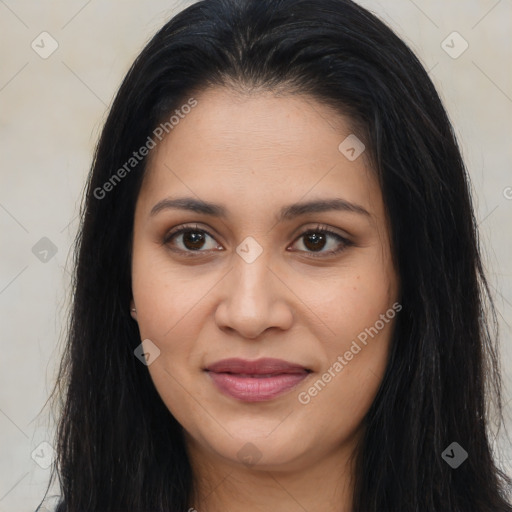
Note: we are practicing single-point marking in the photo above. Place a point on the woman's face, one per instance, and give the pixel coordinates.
(254, 173)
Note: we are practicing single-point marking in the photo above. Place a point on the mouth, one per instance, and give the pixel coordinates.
(256, 381)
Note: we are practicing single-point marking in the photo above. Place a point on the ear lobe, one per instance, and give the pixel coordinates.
(133, 310)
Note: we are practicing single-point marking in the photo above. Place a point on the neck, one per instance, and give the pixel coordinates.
(323, 484)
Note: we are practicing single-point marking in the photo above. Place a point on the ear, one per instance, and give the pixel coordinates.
(133, 310)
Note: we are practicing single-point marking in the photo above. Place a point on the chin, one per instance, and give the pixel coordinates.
(259, 452)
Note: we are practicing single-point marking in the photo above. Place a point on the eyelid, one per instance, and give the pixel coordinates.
(323, 227)
(344, 240)
(183, 229)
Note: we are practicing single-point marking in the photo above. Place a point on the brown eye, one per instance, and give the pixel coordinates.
(193, 239)
(316, 240)
(190, 239)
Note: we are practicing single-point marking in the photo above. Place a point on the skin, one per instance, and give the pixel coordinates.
(254, 153)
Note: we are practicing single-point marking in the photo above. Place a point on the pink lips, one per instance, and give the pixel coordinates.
(256, 381)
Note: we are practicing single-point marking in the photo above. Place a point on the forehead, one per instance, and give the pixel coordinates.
(259, 148)
(235, 123)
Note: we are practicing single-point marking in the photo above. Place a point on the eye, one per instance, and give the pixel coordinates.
(193, 239)
(317, 239)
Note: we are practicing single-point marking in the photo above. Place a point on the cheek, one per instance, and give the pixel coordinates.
(346, 302)
(166, 296)
(168, 310)
(171, 312)
(346, 386)
(356, 304)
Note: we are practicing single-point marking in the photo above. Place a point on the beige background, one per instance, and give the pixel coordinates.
(51, 113)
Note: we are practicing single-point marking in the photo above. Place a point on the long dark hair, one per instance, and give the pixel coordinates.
(118, 446)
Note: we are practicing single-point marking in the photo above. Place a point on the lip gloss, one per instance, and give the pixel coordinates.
(256, 388)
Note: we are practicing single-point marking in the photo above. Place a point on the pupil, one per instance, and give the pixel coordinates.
(318, 241)
(194, 238)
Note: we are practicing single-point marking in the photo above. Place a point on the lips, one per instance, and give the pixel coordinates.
(256, 381)
(265, 366)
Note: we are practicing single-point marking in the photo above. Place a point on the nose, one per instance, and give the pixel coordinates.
(254, 299)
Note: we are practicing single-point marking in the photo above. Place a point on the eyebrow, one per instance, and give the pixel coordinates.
(286, 213)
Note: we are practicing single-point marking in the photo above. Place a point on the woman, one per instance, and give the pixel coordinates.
(279, 298)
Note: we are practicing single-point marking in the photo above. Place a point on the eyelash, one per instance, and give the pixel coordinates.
(319, 229)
